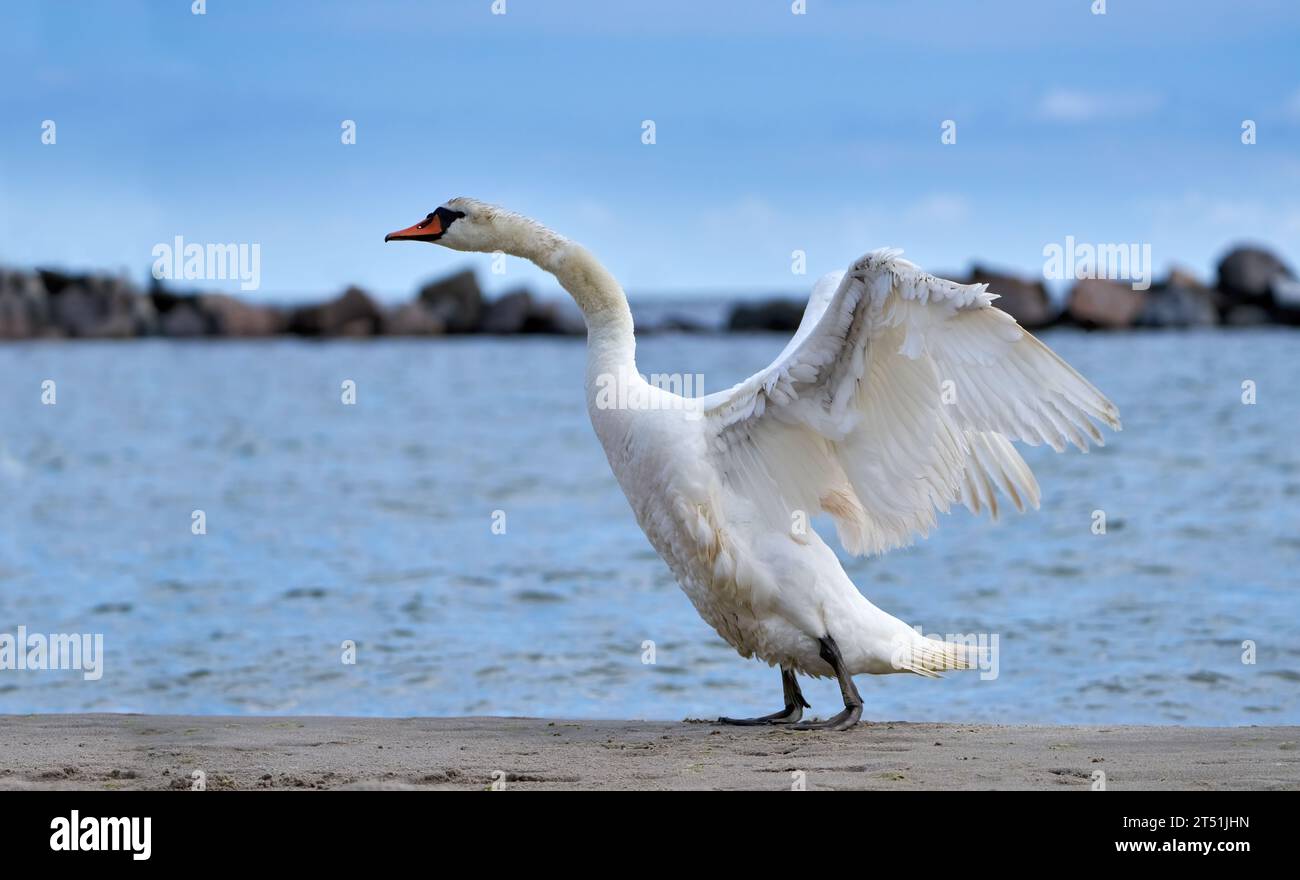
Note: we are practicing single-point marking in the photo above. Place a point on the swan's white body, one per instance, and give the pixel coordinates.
(896, 398)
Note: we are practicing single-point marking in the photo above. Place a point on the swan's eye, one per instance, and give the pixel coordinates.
(446, 217)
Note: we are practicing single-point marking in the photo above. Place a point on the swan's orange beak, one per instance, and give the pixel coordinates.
(428, 229)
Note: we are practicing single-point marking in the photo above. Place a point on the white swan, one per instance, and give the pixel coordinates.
(898, 396)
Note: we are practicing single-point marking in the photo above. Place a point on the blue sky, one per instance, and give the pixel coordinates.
(775, 132)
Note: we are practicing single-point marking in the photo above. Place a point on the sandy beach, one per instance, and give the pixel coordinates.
(110, 752)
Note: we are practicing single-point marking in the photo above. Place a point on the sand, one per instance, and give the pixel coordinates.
(162, 752)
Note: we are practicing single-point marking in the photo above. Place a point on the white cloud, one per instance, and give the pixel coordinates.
(939, 208)
(1073, 105)
(1242, 217)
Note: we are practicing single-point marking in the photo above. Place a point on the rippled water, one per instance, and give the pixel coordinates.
(373, 523)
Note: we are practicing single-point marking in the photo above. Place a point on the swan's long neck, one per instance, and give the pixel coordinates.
(610, 340)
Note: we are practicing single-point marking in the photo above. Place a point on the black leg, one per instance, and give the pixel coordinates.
(794, 705)
(852, 701)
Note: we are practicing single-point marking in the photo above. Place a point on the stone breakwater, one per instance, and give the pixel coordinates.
(1253, 286)
(50, 304)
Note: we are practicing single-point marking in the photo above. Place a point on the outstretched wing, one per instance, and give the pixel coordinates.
(899, 394)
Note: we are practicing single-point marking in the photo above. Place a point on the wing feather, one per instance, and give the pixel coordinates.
(899, 395)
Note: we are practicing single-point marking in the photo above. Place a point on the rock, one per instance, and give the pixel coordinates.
(679, 324)
(559, 317)
(1246, 275)
(1254, 281)
(1181, 300)
(412, 319)
(455, 300)
(359, 327)
(1246, 316)
(53, 280)
(1180, 277)
(232, 317)
(1286, 293)
(353, 313)
(184, 320)
(74, 310)
(773, 314)
(15, 318)
(508, 313)
(24, 306)
(1024, 299)
(1099, 303)
(1286, 299)
(179, 315)
(144, 315)
(97, 306)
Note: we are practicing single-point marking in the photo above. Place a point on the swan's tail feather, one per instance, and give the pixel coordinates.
(929, 657)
